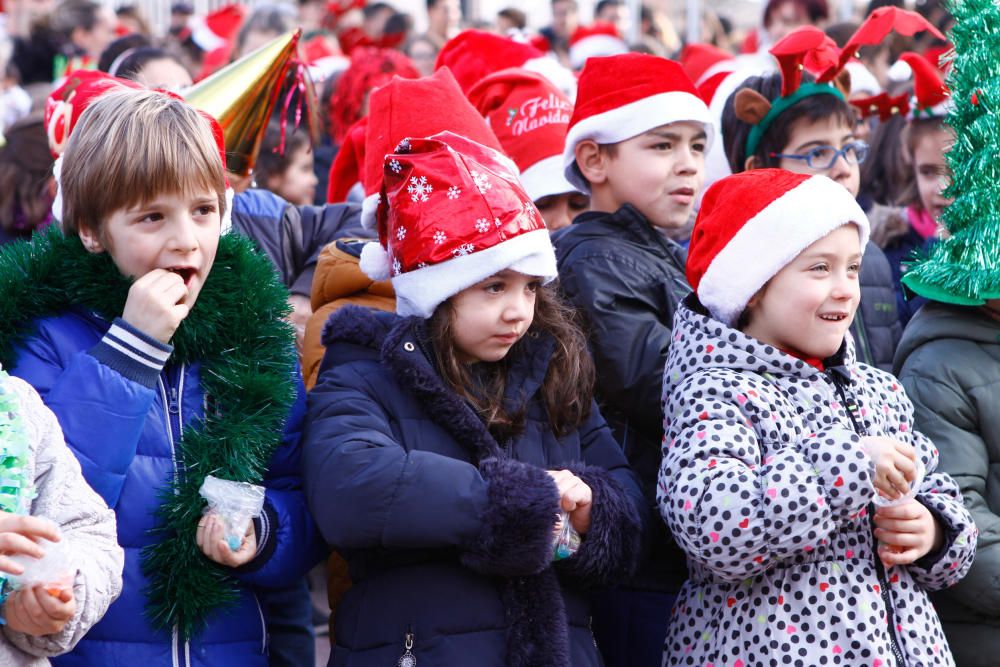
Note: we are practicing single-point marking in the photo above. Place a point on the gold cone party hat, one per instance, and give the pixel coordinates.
(242, 96)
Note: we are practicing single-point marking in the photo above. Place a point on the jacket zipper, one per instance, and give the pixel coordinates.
(173, 418)
(890, 613)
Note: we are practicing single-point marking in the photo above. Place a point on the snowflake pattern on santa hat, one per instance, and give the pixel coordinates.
(476, 203)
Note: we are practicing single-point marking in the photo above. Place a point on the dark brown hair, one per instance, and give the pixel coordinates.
(271, 161)
(567, 391)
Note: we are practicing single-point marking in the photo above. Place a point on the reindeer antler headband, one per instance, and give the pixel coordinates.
(809, 48)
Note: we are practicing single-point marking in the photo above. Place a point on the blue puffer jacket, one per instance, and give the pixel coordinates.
(101, 398)
(449, 535)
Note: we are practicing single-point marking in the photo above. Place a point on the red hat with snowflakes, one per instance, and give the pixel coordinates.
(472, 55)
(451, 213)
(591, 41)
(752, 224)
(621, 97)
(530, 118)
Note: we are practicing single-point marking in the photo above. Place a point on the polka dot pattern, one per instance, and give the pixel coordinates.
(765, 485)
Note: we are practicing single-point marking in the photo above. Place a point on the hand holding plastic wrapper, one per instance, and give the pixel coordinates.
(55, 570)
(236, 503)
(567, 540)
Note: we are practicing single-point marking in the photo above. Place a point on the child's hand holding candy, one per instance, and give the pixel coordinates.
(895, 465)
(40, 609)
(211, 539)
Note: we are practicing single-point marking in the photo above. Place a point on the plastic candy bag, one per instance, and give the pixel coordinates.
(567, 539)
(55, 570)
(882, 501)
(236, 503)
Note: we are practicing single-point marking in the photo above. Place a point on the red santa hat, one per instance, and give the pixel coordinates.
(474, 54)
(752, 224)
(215, 34)
(410, 108)
(697, 59)
(591, 41)
(621, 97)
(65, 104)
(530, 118)
(451, 213)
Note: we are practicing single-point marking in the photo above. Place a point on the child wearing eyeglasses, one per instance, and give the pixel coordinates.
(814, 134)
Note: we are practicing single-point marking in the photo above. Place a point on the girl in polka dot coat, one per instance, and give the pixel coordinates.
(772, 457)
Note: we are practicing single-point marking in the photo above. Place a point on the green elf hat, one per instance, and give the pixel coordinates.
(809, 48)
(964, 269)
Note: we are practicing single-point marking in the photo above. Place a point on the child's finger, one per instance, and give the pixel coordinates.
(890, 558)
(30, 605)
(898, 539)
(30, 526)
(906, 449)
(10, 567)
(905, 512)
(907, 466)
(53, 607)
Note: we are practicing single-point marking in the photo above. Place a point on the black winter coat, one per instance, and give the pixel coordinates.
(293, 236)
(449, 535)
(627, 281)
(876, 328)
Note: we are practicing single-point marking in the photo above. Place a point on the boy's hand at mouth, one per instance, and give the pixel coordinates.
(155, 304)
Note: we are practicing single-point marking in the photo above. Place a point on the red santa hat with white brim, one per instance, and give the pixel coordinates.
(593, 41)
(621, 97)
(530, 117)
(412, 108)
(752, 224)
(450, 214)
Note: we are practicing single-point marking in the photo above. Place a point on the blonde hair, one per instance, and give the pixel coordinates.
(131, 146)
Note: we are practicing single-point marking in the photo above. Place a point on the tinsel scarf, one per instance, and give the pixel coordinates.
(965, 268)
(237, 332)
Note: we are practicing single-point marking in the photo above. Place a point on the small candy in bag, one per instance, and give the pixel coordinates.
(236, 503)
(567, 539)
(54, 570)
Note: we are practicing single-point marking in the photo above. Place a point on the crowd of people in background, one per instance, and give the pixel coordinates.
(546, 345)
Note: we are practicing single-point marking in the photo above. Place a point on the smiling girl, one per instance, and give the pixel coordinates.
(780, 446)
(443, 440)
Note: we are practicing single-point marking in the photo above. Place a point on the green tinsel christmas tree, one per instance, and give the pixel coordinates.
(965, 268)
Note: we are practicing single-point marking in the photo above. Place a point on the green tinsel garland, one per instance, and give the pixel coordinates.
(17, 489)
(246, 349)
(965, 268)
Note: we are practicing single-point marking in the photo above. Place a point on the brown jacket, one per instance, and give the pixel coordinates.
(338, 282)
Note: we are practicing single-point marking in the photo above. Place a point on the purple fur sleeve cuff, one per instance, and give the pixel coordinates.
(610, 550)
(517, 531)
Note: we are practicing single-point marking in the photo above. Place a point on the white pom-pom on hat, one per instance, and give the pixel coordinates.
(375, 261)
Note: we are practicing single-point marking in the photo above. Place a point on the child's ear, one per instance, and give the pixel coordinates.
(750, 106)
(90, 240)
(751, 163)
(591, 161)
(843, 83)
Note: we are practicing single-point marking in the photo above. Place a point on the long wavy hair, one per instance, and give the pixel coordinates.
(567, 391)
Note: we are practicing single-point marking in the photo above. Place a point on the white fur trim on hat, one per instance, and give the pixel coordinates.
(227, 217)
(631, 120)
(593, 46)
(57, 202)
(545, 178)
(374, 261)
(767, 242)
(558, 75)
(369, 207)
(421, 291)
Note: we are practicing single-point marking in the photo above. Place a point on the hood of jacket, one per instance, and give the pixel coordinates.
(696, 335)
(339, 276)
(937, 321)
